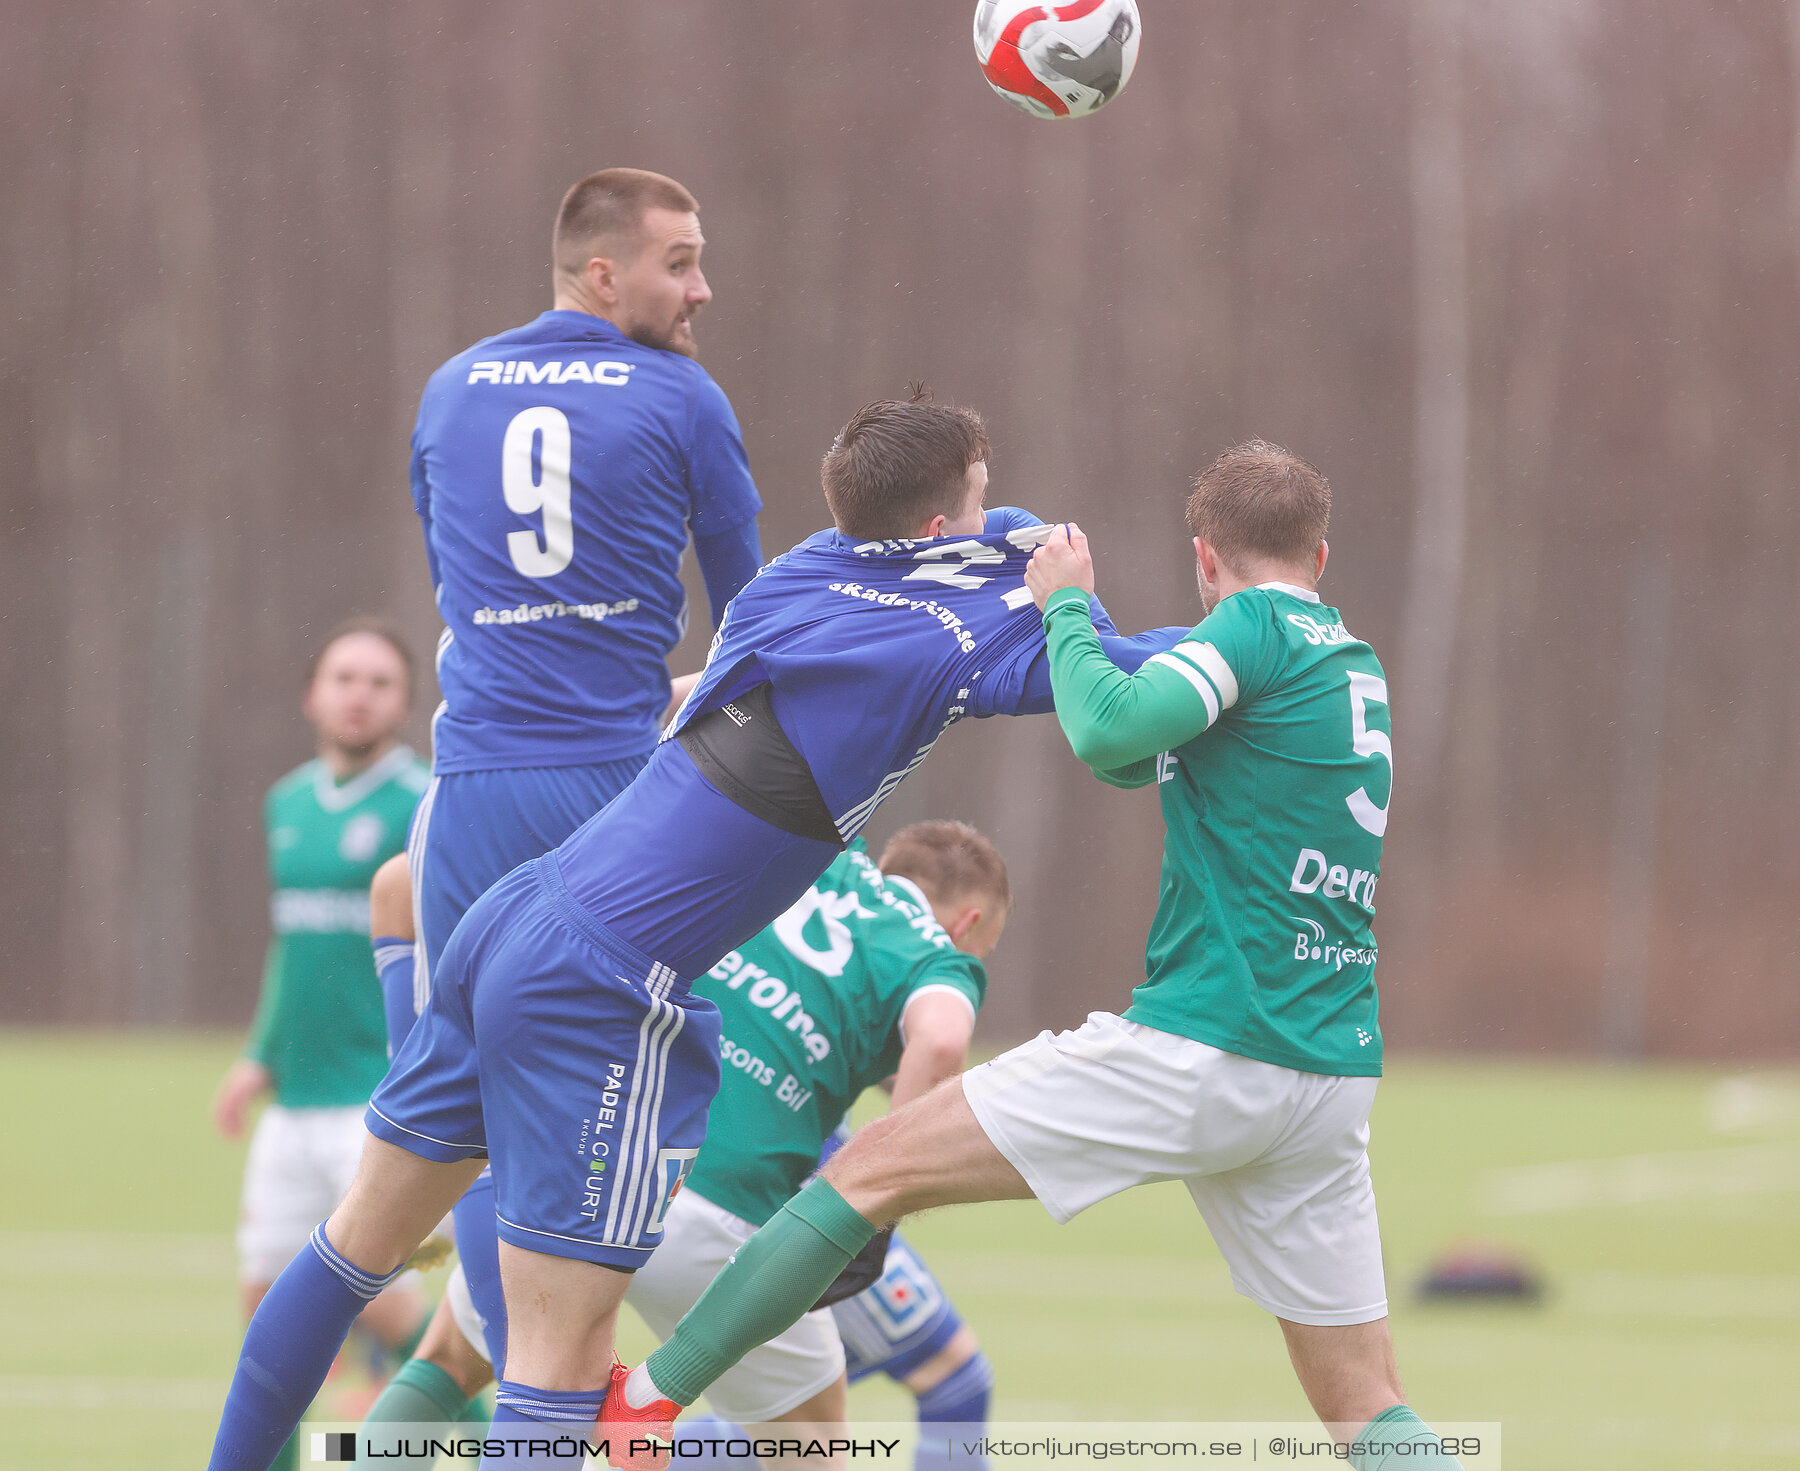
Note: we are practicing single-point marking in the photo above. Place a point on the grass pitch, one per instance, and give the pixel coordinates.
(1661, 1204)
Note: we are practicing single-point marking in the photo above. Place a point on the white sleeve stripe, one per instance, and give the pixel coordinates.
(1193, 677)
(935, 986)
(1217, 670)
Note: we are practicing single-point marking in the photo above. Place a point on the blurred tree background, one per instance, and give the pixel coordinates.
(1523, 280)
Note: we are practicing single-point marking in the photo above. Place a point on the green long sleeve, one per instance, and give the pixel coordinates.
(1117, 722)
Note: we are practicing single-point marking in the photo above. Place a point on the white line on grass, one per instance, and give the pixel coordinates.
(1641, 1179)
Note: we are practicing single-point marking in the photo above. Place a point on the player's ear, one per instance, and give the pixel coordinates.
(934, 527)
(1322, 555)
(960, 924)
(600, 279)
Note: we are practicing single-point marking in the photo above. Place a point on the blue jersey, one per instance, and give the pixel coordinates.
(558, 470)
(874, 648)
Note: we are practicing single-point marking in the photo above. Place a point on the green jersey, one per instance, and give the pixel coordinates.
(319, 1027)
(811, 1013)
(1267, 731)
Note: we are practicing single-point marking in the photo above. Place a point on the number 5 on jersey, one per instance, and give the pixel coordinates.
(1366, 688)
(540, 435)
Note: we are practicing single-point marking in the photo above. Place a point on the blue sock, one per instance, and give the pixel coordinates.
(963, 1396)
(522, 1414)
(961, 1399)
(287, 1352)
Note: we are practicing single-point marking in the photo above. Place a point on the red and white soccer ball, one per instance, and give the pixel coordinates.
(1057, 60)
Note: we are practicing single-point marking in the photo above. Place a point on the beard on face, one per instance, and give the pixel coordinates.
(666, 341)
(358, 750)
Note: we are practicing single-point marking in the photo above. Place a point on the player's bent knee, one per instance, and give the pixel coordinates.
(931, 1152)
(879, 1172)
(395, 1201)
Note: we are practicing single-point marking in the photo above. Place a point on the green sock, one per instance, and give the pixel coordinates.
(421, 1393)
(478, 1411)
(768, 1284)
(1393, 1430)
(288, 1457)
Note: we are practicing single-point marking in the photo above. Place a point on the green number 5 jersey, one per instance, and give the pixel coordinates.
(1267, 732)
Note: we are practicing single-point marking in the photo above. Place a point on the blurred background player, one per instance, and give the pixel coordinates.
(318, 1045)
(558, 470)
(875, 975)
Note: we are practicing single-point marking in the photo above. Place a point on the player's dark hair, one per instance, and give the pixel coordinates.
(1259, 500)
(948, 860)
(610, 205)
(382, 628)
(899, 462)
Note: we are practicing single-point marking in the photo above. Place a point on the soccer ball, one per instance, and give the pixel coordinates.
(1057, 60)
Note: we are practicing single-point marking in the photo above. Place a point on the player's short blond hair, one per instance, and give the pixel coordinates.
(1258, 500)
(603, 213)
(949, 861)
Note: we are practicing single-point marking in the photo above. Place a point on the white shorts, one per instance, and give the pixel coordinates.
(468, 1322)
(771, 1379)
(1277, 1160)
(301, 1163)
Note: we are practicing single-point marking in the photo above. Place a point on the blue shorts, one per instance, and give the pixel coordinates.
(899, 1322)
(583, 1067)
(472, 828)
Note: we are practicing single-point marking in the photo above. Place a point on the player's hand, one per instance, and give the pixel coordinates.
(243, 1083)
(1062, 561)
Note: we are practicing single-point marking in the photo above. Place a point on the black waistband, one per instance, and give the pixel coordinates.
(743, 751)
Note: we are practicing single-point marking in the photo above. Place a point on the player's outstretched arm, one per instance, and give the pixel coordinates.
(1115, 721)
(938, 1026)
